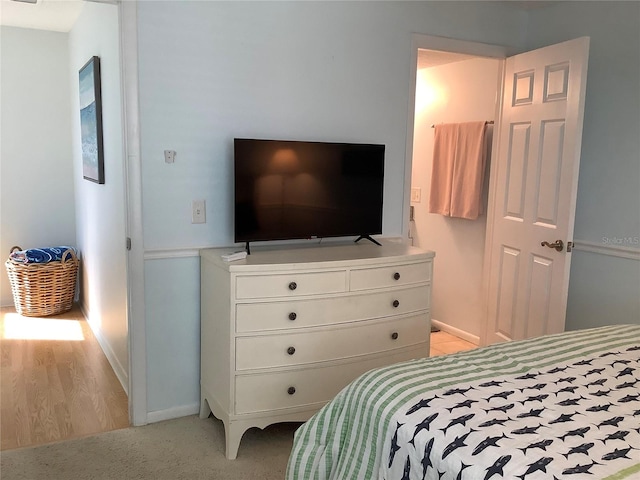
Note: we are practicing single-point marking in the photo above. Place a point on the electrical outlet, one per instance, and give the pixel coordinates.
(415, 194)
(198, 212)
(169, 156)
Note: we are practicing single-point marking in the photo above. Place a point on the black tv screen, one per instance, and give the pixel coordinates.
(294, 190)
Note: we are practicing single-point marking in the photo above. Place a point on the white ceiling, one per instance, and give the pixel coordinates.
(55, 15)
(60, 15)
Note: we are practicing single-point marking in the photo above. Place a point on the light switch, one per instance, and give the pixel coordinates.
(415, 194)
(198, 211)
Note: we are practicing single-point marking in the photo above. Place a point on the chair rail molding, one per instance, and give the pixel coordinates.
(613, 247)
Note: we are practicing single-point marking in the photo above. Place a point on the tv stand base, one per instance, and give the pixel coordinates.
(368, 237)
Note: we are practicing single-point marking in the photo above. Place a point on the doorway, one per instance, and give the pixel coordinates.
(532, 195)
(451, 87)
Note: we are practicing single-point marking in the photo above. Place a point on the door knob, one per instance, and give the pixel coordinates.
(558, 245)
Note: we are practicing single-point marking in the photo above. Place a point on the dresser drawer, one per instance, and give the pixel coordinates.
(380, 277)
(263, 316)
(268, 351)
(290, 284)
(264, 392)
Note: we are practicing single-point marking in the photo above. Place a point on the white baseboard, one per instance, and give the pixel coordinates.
(121, 373)
(175, 412)
(456, 331)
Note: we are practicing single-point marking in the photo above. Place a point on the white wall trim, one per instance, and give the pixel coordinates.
(456, 331)
(133, 191)
(175, 412)
(118, 369)
(188, 252)
(179, 252)
(612, 250)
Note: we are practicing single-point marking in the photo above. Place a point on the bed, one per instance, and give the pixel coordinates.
(555, 407)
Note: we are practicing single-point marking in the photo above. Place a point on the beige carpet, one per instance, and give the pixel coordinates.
(185, 448)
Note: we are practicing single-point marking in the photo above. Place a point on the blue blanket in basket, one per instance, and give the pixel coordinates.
(40, 255)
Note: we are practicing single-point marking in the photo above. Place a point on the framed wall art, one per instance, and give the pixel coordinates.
(91, 121)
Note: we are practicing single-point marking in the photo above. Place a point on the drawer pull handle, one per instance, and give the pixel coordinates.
(394, 336)
(396, 304)
(293, 316)
(396, 276)
(293, 286)
(291, 350)
(291, 390)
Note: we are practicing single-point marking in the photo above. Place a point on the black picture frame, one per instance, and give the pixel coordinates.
(91, 121)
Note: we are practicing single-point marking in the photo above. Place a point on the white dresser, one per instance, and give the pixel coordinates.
(283, 331)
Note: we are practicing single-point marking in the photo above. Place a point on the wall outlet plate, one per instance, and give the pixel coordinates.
(169, 156)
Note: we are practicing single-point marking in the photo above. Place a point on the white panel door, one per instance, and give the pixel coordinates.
(534, 191)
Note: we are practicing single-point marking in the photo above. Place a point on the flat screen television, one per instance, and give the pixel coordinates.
(297, 190)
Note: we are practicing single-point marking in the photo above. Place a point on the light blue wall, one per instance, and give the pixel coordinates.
(603, 289)
(212, 71)
(173, 333)
(100, 209)
(36, 174)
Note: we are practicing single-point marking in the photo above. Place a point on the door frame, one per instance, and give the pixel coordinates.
(133, 201)
(445, 44)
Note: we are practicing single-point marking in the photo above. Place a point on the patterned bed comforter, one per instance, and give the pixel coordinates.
(564, 406)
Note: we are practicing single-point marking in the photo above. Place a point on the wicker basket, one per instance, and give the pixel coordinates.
(41, 289)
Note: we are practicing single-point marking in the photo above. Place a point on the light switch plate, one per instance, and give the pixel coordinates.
(198, 211)
(415, 194)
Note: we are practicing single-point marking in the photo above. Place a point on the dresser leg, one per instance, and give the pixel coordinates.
(205, 410)
(233, 435)
(233, 429)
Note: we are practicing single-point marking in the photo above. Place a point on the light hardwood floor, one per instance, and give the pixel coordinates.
(56, 382)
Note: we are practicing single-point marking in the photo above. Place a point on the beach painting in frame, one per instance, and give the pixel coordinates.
(91, 121)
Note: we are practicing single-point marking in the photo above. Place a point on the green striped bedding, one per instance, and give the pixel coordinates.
(560, 406)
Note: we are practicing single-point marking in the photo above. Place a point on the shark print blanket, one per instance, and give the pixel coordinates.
(563, 406)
